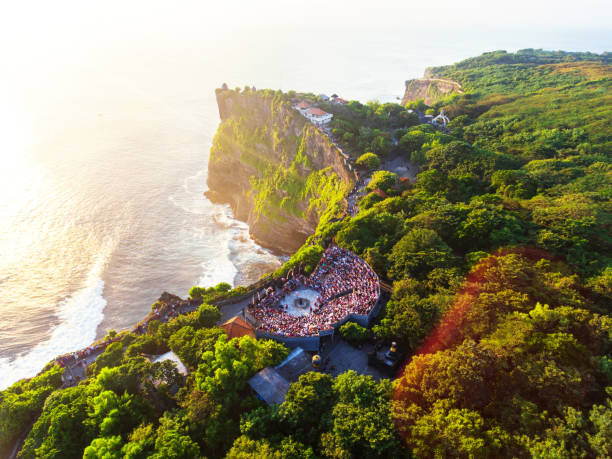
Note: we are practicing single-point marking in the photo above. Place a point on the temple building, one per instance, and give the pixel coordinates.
(237, 327)
(318, 116)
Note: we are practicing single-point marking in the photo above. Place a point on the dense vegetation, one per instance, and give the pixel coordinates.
(500, 260)
(515, 344)
(367, 128)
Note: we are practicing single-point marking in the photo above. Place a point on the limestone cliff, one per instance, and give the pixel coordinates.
(278, 172)
(430, 89)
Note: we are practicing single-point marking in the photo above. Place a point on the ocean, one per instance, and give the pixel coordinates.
(104, 162)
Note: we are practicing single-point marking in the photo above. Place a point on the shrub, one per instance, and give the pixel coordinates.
(223, 287)
(369, 161)
(354, 332)
(197, 292)
(382, 180)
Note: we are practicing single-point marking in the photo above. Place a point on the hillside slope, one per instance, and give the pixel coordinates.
(533, 103)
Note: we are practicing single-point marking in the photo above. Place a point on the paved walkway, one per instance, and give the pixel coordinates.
(355, 195)
(341, 357)
(230, 310)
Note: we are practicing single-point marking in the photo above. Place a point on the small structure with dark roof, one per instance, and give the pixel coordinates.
(296, 364)
(272, 383)
(269, 386)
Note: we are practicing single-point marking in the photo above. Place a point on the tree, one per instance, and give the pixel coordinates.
(172, 441)
(369, 229)
(111, 357)
(454, 432)
(413, 141)
(382, 180)
(353, 332)
(308, 404)
(417, 253)
(104, 447)
(197, 292)
(206, 316)
(113, 414)
(245, 448)
(141, 443)
(410, 314)
(60, 431)
(223, 374)
(189, 344)
(224, 371)
(369, 161)
(362, 426)
(601, 418)
(22, 402)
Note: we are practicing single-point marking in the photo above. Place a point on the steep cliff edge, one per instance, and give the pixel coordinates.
(278, 172)
(430, 89)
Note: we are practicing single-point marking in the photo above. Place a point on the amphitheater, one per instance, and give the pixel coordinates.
(300, 310)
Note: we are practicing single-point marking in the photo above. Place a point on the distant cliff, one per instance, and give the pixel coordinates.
(430, 89)
(277, 171)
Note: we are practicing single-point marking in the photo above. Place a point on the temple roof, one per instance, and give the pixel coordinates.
(237, 327)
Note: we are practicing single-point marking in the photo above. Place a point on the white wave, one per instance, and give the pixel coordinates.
(80, 314)
(196, 183)
(188, 205)
(218, 269)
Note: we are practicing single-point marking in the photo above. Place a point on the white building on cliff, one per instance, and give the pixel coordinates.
(318, 116)
(313, 114)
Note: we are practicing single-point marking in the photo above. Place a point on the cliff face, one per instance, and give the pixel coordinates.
(430, 89)
(276, 170)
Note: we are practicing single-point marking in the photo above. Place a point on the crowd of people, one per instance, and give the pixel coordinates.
(345, 283)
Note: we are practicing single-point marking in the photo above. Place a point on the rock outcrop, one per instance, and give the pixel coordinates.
(430, 89)
(278, 172)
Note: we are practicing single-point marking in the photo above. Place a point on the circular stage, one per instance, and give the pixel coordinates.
(299, 302)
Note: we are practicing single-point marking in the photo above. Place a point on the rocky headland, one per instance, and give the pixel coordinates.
(278, 172)
(430, 89)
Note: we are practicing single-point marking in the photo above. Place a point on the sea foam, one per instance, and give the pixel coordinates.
(79, 316)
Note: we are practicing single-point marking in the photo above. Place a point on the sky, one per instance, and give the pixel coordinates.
(60, 40)
(77, 23)
(35, 32)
